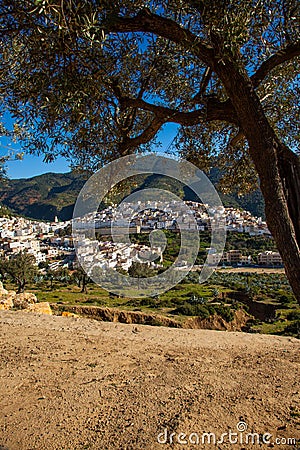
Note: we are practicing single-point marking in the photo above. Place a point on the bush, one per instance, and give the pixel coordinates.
(169, 302)
(202, 311)
(195, 300)
(294, 315)
(225, 312)
(193, 310)
(293, 329)
(284, 299)
(186, 310)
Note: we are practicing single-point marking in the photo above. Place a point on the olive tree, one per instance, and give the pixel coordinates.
(20, 268)
(94, 80)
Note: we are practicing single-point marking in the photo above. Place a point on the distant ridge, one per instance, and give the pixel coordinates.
(44, 196)
(54, 194)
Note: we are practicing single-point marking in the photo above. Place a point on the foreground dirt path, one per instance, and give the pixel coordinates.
(69, 383)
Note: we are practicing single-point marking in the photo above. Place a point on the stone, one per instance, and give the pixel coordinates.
(6, 301)
(2, 290)
(68, 314)
(40, 308)
(24, 300)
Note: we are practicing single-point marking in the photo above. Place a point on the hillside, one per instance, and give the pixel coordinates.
(42, 197)
(53, 194)
(71, 383)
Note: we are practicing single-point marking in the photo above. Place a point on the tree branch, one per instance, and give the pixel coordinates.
(148, 22)
(237, 138)
(203, 85)
(215, 110)
(283, 55)
(145, 21)
(143, 138)
(163, 113)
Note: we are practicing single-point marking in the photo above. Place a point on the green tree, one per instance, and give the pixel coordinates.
(97, 80)
(51, 275)
(43, 265)
(21, 268)
(81, 279)
(140, 270)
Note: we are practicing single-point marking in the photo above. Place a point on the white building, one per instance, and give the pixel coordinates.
(269, 258)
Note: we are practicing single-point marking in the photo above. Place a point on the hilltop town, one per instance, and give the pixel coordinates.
(51, 243)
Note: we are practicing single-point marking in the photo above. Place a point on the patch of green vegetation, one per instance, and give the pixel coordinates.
(222, 294)
(205, 311)
(270, 328)
(194, 310)
(5, 211)
(293, 329)
(294, 315)
(272, 286)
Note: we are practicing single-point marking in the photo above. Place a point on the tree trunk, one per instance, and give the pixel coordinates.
(21, 286)
(278, 169)
(282, 229)
(84, 284)
(289, 246)
(289, 169)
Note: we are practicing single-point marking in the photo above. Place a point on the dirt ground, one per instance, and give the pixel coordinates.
(70, 383)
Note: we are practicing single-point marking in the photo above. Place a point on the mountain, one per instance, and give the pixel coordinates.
(252, 202)
(44, 196)
(54, 194)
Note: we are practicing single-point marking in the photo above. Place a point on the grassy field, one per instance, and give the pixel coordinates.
(224, 292)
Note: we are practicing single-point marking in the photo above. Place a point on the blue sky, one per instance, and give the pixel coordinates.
(32, 165)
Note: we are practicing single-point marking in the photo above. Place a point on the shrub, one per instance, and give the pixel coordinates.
(293, 329)
(193, 310)
(285, 299)
(186, 310)
(225, 312)
(294, 315)
(202, 311)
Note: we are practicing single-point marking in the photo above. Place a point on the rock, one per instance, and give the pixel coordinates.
(24, 300)
(68, 314)
(40, 308)
(6, 301)
(6, 298)
(2, 290)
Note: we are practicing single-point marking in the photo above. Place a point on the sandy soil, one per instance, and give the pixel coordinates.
(70, 383)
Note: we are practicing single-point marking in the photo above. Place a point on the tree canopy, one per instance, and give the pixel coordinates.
(21, 269)
(94, 80)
